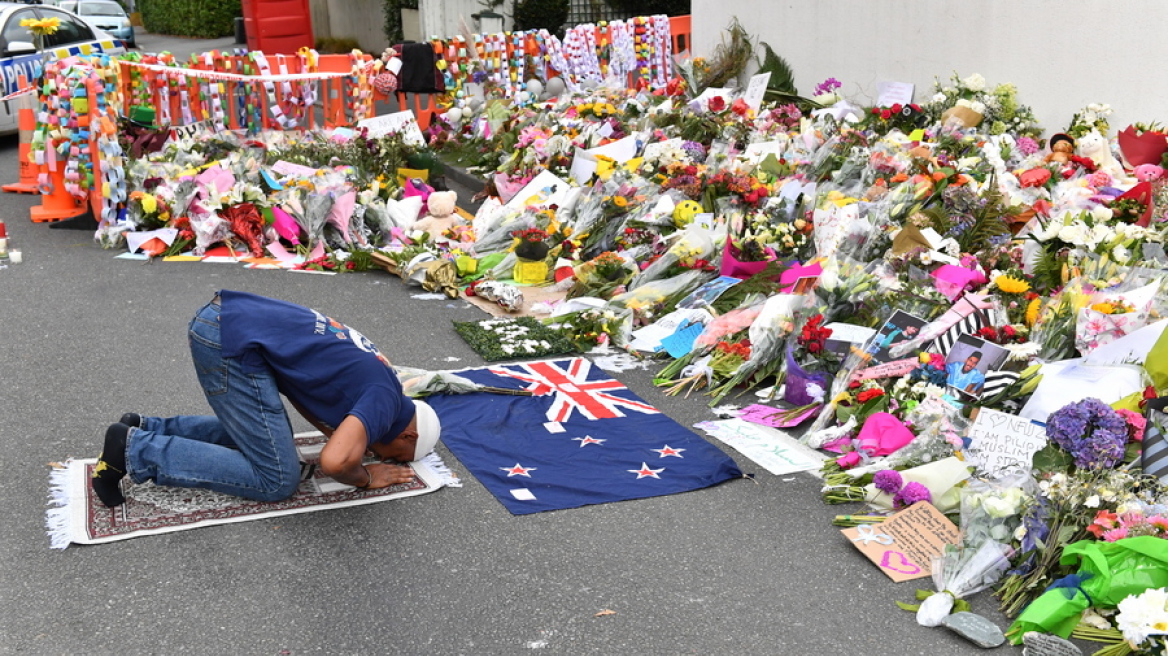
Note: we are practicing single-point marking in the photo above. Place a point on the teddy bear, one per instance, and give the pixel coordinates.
(440, 213)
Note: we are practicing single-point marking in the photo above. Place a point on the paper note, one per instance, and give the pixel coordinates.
(1000, 442)
(893, 93)
(681, 342)
(649, 338)
(770, 448)
(894, 369)
(543, 190)
(704, 296)
(295, 170)
(904, 545)
(756, 89)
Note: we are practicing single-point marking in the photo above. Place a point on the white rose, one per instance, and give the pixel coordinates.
(964, 103)
(1076, 233)
(977, 107)
(974, 82)
(1092, 501)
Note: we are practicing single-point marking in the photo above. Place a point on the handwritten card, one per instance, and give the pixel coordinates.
(771, 449)
(681, 342)
(904, 545)
(402, 123)
(1000, 443)
(893, 93)
(756, 89)
(894, 369)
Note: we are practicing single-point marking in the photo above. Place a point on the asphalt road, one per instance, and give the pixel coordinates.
(744, 567)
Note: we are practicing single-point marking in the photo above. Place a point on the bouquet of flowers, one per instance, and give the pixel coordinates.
(601, 275)
(1090, 431)
(692, 251)
(809, 364)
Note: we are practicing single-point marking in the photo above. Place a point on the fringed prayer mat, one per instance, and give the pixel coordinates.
(76, 514)
(582, 438)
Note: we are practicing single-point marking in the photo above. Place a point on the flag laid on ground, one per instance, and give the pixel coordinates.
(582, 438)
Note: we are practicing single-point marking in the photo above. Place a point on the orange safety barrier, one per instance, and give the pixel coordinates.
(681, 29)
(26, 123)
(58, 204)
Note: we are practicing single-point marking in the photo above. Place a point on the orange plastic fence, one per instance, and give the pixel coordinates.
(681, 29)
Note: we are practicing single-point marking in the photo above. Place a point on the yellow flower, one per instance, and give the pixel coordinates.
(1104, 308)
(149, 204)
(41, 27)
(1032, 312)
(1012, 285)
(619, 201)
(924, 358)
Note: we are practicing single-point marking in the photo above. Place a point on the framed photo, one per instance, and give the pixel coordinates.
(968, 362)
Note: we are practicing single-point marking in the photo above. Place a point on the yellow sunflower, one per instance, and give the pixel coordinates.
(1012, 285)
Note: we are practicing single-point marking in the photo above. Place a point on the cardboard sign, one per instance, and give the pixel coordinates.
(191, 130)
(1000, 442)
(402, 123)
(904, 545)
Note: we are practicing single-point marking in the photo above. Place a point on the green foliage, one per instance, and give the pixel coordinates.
(393, 21)
(651, 7)
(206, 19)
(336, 46)
(541, 14)
(782, 77)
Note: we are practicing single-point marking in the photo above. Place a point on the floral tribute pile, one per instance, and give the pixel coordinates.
(902, 276)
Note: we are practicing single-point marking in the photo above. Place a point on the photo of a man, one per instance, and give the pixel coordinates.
(968, 363)
(965, 376)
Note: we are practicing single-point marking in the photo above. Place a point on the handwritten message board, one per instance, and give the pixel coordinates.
(1000, 443)
(904, 545)
(772, 449)
(894, 369)
(402, 123)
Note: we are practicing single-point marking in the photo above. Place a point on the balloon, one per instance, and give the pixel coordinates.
(684, 212)
(535, 87)
(554, 87)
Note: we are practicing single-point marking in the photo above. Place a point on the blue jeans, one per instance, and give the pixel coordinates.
(246, 449)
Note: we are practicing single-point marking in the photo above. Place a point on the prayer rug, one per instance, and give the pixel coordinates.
(582, 438)
(77, 516)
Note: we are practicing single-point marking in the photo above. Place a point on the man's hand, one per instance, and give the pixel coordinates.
(385, 475)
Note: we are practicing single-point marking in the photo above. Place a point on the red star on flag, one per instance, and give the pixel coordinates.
(587, 439)
(669, 451)
(518, 470)
(645, 471)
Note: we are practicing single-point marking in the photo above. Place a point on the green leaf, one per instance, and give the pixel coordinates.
(909, 607)
(782, 78)
(1051, 458)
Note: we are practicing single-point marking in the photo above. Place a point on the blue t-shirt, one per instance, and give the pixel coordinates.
(961, 379)
(320, 364)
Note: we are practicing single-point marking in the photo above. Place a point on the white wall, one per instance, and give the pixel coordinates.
(1061, 55)
(447, 18)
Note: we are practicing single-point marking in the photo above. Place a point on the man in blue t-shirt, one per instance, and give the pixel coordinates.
(964, 374)
(249, 350)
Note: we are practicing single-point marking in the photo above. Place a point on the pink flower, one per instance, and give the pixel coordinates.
(1114, 534)
(1136, 423)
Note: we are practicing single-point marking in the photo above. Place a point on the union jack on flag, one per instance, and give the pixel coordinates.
(582, 438)
(573, 391)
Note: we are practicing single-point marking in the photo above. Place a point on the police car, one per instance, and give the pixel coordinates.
(18, 55)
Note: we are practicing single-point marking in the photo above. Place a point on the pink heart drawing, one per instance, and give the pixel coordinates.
(895, 561)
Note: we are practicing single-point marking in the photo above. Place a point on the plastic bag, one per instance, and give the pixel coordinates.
(959, 572)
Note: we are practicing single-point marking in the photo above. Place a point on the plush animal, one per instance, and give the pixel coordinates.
(441, 217)
(1149, 172)
(1095, 147)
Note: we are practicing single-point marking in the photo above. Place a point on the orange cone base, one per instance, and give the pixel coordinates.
(21, 188)
(42, 214)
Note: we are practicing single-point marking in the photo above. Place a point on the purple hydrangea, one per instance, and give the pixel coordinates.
(695, 150)
(910, 494)
(1091, 431)
(888, 481)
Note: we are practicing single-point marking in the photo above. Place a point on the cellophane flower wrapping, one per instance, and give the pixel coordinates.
(688, 247)
(959, 572)
(655, 299)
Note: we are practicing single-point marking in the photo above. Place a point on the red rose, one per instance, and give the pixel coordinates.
(886, 114)
(876, 111)
(814, 347)
(896, 108)
(717, 104)
(740, 107)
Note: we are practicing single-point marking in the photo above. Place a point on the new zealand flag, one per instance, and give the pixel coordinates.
(582, 438)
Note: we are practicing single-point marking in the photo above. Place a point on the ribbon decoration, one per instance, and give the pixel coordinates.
(867, 534)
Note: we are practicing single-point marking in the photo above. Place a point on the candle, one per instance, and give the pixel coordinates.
(16, 256)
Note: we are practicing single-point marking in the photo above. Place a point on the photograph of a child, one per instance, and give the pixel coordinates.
(900, 327)
(968, 362)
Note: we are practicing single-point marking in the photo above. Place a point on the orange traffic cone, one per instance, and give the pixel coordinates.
(59, 204)
(26, 121)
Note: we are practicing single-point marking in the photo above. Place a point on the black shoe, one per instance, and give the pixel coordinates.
(131, 419)
(111, 466)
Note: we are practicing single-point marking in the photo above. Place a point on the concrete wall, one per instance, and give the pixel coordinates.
(1061, 55)
(447, 18)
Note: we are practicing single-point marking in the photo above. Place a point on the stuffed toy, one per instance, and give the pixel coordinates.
(1094, 146)
(441, 206)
